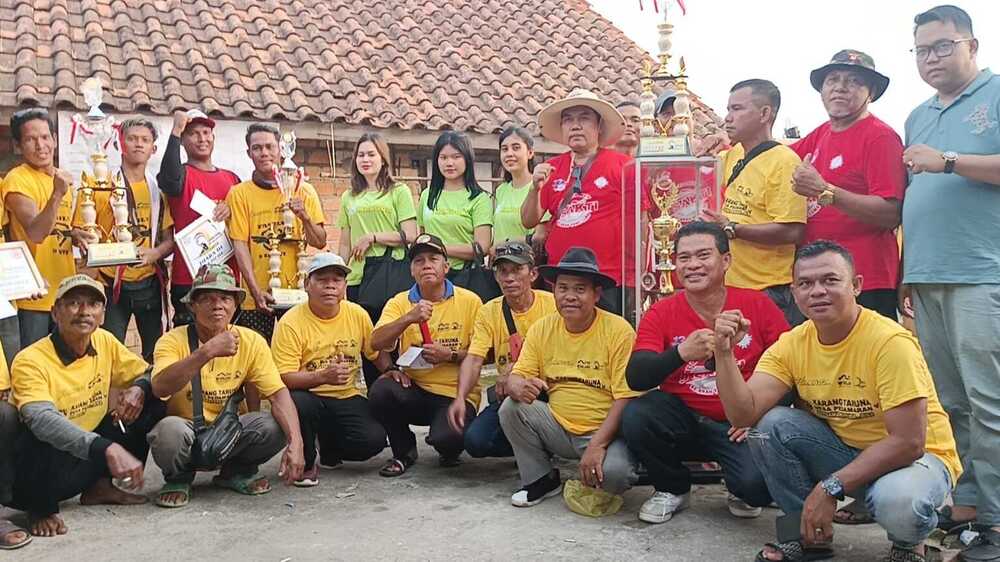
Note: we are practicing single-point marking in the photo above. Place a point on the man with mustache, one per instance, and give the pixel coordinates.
(37, 196)
(674, 350)
(256, 208)
(853, 177)
(317, 347)
(76, 440)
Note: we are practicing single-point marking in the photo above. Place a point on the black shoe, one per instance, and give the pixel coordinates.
(984, 548)
(449, 461)
(534, 493)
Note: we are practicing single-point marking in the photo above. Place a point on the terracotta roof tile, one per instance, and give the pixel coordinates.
(477, 65)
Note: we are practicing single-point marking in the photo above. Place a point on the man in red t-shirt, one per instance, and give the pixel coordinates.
(684, 420)
(853, 176)
(179, 182)
(582, 189)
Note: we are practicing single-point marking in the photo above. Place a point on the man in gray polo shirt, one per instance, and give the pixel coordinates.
(951, 256)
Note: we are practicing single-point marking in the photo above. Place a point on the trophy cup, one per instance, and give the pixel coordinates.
(97, 130)
(664, 227)
(289, 179)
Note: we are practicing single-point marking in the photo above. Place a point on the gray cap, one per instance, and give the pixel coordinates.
(665, 96)
(324, 260)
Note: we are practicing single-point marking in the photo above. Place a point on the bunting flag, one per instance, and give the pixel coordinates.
(656, 6)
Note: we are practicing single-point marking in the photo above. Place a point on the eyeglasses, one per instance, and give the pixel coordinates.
(940, 49)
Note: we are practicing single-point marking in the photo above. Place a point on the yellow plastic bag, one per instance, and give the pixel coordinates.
(592, 502)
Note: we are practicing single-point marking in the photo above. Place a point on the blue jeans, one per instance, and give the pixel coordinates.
(795, 450)
(484, 437)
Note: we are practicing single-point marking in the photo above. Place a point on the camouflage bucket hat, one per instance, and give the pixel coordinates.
(850, 59)
(215, 277)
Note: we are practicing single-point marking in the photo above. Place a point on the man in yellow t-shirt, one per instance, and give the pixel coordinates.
(869, 423)
(37, 196)
(578, 357)
(431, 325)
(256, 223)
(77, 440)
(317, 347)
(137, 290)
(515, 272)
(225, 358)
(761, 214)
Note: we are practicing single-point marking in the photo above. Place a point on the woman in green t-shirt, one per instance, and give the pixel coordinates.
(373, 211)
(517, 155)
(454, 208)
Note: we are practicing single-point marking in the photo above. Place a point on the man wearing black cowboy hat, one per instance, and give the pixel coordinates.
(579, 358)
(853, 176)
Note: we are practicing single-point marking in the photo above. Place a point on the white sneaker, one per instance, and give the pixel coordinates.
(661, 506)
(739, 508)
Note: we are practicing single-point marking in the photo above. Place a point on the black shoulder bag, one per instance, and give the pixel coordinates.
(383, 278)
(742, 163)
(212, 443)
(476, 277)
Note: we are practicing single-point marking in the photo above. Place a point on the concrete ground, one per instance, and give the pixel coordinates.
(429, 513)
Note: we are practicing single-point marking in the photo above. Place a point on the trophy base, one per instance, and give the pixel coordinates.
(287, 298)
(112, 253)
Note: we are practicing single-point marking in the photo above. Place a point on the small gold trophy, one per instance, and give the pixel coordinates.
(664, 227)
(97, 129)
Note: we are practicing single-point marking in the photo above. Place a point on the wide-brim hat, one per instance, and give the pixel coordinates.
(612, 122)
(215, 277)
(580, 262)
(850, 59)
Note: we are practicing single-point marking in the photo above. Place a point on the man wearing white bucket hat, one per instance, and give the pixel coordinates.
(582, 189)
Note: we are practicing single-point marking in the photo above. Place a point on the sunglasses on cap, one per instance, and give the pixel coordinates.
(512, 250)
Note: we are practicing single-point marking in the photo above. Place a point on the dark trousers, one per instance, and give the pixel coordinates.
(34, 325)
(781, 295)
(182, 314)
(484, 437)
(368, 369)
(663, 432)
(396, 408)
(46, 475)
(10, 338)
(883, 301)
(10, 426)
(345, 427)
(144, 300)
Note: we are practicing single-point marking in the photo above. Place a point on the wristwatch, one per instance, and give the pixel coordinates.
(950, 158)
(833, 486)
(730, 230)
(825, 198)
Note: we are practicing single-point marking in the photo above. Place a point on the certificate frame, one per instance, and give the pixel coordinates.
(204, 242)
(21, 278)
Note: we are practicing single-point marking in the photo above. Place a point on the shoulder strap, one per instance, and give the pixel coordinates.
(754, 152)
(583, 175)
(508, 317)
(197, 412)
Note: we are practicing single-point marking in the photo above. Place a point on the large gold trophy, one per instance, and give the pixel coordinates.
(289, 178)
(664, 227)
(97, 129)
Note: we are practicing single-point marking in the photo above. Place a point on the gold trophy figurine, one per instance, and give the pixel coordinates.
(664, 228)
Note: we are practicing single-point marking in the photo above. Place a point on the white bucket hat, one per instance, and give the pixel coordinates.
(612, 122)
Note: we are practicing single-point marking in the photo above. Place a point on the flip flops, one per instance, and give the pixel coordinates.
(8, 528)
(245, 485)
(173, 488)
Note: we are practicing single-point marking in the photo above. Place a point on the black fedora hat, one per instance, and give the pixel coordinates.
(577, 261)
(850, 59)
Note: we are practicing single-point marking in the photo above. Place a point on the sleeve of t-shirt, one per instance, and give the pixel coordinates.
(529, 363)
(127, 365)
(314, 208)
(366, 337)
(286, 349)
(263, 373)
(393, 311)
(783, 204)
(650, 336)
(770, 319)
(482, 333)
(30, 383)
(168, 219)
(238, 226)
(885, 173)
(901, 372)
(620, 351)
(422, 205)
(342, 220)
(169, 349)
(482, 210)
(804, 146)
(775, 362)
(402, 201)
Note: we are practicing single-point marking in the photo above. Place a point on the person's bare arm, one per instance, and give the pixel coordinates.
(531, 209)
(592, 460)
(175, 376)
(344, 244)
(744, 402)
(284, 412)
(468, 374)
(244, 261)
(871, 209)
(984, 168)
(38, 224)
(771, 234)
(384, 337)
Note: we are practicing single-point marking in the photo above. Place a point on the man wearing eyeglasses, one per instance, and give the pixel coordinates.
(951, 265)
(853, 177)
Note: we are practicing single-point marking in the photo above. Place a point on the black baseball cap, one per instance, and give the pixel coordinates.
(427, 243)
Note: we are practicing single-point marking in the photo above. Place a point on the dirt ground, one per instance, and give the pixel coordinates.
(430, 513)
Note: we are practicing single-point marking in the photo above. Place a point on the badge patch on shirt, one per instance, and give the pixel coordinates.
(837, 162)
(980, 120)
(601, 182)
(745, 342)
(559, 185)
